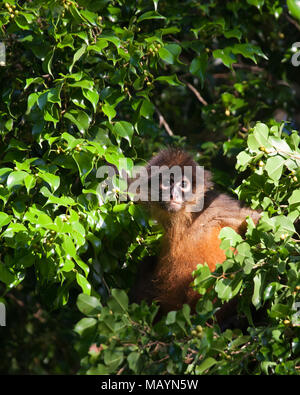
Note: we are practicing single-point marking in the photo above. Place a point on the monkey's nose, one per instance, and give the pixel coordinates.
(176, 196)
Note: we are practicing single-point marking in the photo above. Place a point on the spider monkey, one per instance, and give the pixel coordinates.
(191, 236)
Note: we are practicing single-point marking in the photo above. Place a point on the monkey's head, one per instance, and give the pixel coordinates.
(175, 181)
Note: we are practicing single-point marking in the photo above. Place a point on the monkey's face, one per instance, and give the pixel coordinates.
(174, 192)
(176, 184)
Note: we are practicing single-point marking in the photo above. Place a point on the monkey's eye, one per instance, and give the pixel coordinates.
(185, 184)
(166, 183)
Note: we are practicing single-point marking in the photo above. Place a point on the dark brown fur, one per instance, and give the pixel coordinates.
(190, 239)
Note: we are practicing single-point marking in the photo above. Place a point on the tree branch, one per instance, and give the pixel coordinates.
(196, 93)
(292, 21)
(164, 123)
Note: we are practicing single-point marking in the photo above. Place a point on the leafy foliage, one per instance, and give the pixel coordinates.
(88, 83)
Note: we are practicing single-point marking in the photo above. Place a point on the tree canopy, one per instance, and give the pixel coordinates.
(89, 82)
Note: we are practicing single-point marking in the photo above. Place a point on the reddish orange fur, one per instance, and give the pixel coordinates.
(190, 239)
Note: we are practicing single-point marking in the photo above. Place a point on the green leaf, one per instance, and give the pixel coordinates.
(4, 173)
(170, 80)
(111, 38)
(294, 8)
(202, 276)
(100, 369)
(198, 67)
(79, 261)
(227, 288)
(67, 41)
(84, 84)
(295, 198)
(16, 178)
(150, 15)
(186, 312)
(259, 137)
(69, 247)
(4, 219)
(274, 167)
(67, 264)
(88, 305)
(147, 109)
(124, 130)
(236, 33)
(279, 310)
(84, 161)
(113, 358)
(205, 365)
(284, 224)
(51, 116)
(30, 182)
(51, 179)
(6, 276)
(53, 95)
(170, 53)
(243, 158)
(39, 217)
(92, 96)
(98, 46)
(85, 324)
(83, 283)
(134, 361)
(256, 3)
(21, 22)
(226, 55)
(14, 228)
(244, 251)
(248, 51)
(47, 63)
(31, 101)
(270, 290)
(89, 16)
(118, 301)
(79, 118)
(109, 111)
(120, 207)
(229, 237)
(78, 54)
(258, 289)
(171, 317)
(281, 146)
(65, 201)
(17, 144)
(35, 80)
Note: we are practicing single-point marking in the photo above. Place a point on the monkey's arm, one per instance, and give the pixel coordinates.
(230, 212)
(220, 212)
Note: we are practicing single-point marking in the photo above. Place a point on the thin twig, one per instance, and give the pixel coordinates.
(164, 123)
(163, 359)
(196, 93)
(292, 21)
(221, 75)
(120, 371)
(253, 69)
(287, 153)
